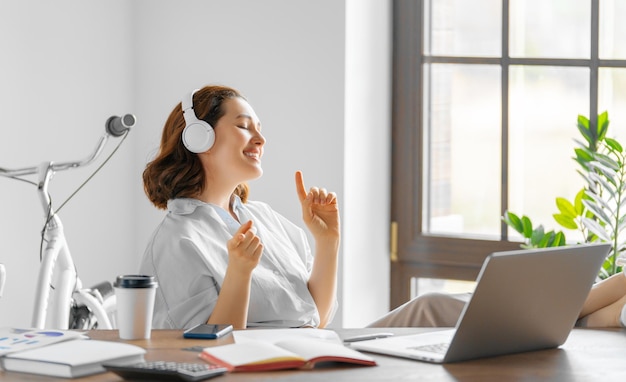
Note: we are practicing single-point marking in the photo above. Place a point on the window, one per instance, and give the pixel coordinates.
(486, 99)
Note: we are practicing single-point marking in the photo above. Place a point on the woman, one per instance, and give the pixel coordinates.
(606, 303)
(220, 258)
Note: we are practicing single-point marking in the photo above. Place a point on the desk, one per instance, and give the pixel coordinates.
(587, 355)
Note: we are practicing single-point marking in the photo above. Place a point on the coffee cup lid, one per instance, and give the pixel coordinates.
(135, 281)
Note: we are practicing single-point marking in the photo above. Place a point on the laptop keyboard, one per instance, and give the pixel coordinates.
(440, 348)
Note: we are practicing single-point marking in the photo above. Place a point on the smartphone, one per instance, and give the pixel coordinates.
(208, 331)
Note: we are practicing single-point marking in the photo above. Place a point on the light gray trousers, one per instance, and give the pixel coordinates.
(427, 310)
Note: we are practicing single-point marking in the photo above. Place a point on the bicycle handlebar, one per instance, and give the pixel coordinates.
(58, 280)
(114, 126)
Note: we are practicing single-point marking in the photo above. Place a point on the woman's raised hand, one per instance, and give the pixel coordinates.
(320, 210)
(245, 248)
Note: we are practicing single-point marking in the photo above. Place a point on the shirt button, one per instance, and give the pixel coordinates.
(276, 272)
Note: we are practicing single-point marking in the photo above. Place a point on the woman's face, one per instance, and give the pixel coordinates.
(236, 154)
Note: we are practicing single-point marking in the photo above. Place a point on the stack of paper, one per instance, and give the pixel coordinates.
(64, 354)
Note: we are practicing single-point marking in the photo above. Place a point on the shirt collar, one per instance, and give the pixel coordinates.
(183, 206)
(186, 206)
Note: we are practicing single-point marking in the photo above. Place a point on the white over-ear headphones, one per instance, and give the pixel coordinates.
(198, 135)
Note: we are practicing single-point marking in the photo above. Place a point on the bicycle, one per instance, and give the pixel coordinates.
(61, 302)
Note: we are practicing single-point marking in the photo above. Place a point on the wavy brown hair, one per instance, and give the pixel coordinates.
(176, 172)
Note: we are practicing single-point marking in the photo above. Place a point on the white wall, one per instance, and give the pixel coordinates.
(367, 161)
(71, 64)
(64, 70)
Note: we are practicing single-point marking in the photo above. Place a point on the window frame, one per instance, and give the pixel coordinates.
(418, 254)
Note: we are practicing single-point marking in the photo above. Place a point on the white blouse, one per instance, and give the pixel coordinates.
(187, 254)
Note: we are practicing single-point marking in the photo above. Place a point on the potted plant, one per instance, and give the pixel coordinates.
(598, 211)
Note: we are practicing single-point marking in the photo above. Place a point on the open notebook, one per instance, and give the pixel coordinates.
(524, 300)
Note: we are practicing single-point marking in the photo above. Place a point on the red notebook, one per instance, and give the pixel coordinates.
(297, 353)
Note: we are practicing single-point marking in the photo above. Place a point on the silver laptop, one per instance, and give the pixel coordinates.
(524, 300)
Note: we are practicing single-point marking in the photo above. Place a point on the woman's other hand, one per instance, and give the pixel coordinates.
(244, 249)
(320, 210)
(244, 252)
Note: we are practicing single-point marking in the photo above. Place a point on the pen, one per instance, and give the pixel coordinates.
(365, 337)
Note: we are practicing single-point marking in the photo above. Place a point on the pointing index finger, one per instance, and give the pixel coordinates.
(300, 186)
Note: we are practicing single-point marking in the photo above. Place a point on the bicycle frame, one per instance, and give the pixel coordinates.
(58, 282)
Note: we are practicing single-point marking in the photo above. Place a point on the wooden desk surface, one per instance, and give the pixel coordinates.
(587, 355)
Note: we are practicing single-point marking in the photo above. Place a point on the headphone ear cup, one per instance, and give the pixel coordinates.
(198, 136)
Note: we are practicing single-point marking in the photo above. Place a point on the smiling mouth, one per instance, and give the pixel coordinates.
(252, 155)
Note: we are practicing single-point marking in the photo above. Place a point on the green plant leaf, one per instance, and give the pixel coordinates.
(604, 169)
(606, 186)
(537, 236)
(599, 213)
(607, 161)
(559, 239)
(583, 127)
(593, 186)
(615, 145)
(567, 209)
(602, 203)
(583, 154)
(551, 239)
(565, 221)
(607, 180)
(527, 227)
(597, 229)
(603, 125)
(545, 240)
(513, 221)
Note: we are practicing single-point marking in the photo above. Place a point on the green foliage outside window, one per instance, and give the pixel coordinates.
(598, 211)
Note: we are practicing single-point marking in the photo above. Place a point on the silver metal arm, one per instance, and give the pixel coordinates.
(87, 160)
(113, 127)
(58, 166)
(46, 170)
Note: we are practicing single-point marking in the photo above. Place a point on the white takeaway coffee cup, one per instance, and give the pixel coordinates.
(135, 305)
